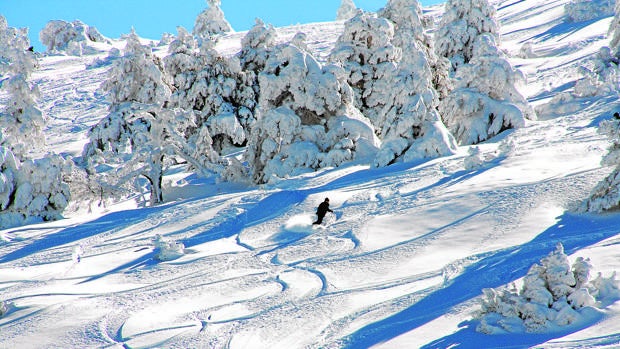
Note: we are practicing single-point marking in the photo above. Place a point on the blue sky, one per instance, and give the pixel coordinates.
(152, 18)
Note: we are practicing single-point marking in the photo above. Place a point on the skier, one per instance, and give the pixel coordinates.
(322, 210)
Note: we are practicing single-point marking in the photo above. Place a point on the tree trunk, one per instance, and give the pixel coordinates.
(155, 176)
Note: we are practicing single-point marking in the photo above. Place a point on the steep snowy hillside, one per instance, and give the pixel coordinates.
(401, 263)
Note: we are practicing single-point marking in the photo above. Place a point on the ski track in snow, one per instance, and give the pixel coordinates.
(413, 242)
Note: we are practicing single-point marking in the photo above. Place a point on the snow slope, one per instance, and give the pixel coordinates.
(403, 267)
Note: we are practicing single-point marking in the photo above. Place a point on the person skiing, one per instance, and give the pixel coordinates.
(322, 210)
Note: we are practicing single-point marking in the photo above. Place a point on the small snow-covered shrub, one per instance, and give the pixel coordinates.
(167, 250)
(553, 294)
(72, 38)
(475, 160)
(584, 10)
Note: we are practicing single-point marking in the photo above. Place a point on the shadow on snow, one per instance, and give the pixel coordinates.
(111, 222)
(492, 270)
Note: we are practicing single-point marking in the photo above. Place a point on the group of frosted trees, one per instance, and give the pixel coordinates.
(554, 293)
(389, 92)
(31, 182)
(603, 79)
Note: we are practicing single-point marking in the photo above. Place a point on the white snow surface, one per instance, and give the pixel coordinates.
(401, 264)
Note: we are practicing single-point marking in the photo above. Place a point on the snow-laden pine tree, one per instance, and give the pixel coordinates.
(553, 294)
(21, 121)
(396, 94)
(72, 38)
(306, 117)
(211, 22)
(411, 36)
(614, 31)
(485, 100)
(462, 22)
(584, 10)
(346, 10)
(130, 138)
(256, 46)
(30, 190)
(606, 195)
(214, 88)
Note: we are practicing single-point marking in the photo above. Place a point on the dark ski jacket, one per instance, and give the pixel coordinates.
(323, 209)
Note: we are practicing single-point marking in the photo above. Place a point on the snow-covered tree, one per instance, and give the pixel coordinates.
(211, 22)
(256, 46)
(606, 195)
(396, 95)
(73, 38)
(410, 35)
(553, 294)
(485, 100)
(346, 10)
(306, 118)
(214, 88)
(128, 137)
(31, 191)
(366, 53)
(614, 30)
(584, 10)
(462, 22)
(21, 121)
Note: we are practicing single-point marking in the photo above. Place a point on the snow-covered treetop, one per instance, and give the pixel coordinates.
(21, 122)
(366, 39)
(584, 10)
(211, 22)
(15, 56)
(346, 10)
(136, 77)
(462, 22)
(292, 77)
(74, 38)
(407, 18)
(255, 46)
(410, 35)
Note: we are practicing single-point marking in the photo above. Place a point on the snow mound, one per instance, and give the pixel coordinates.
(166, 250)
